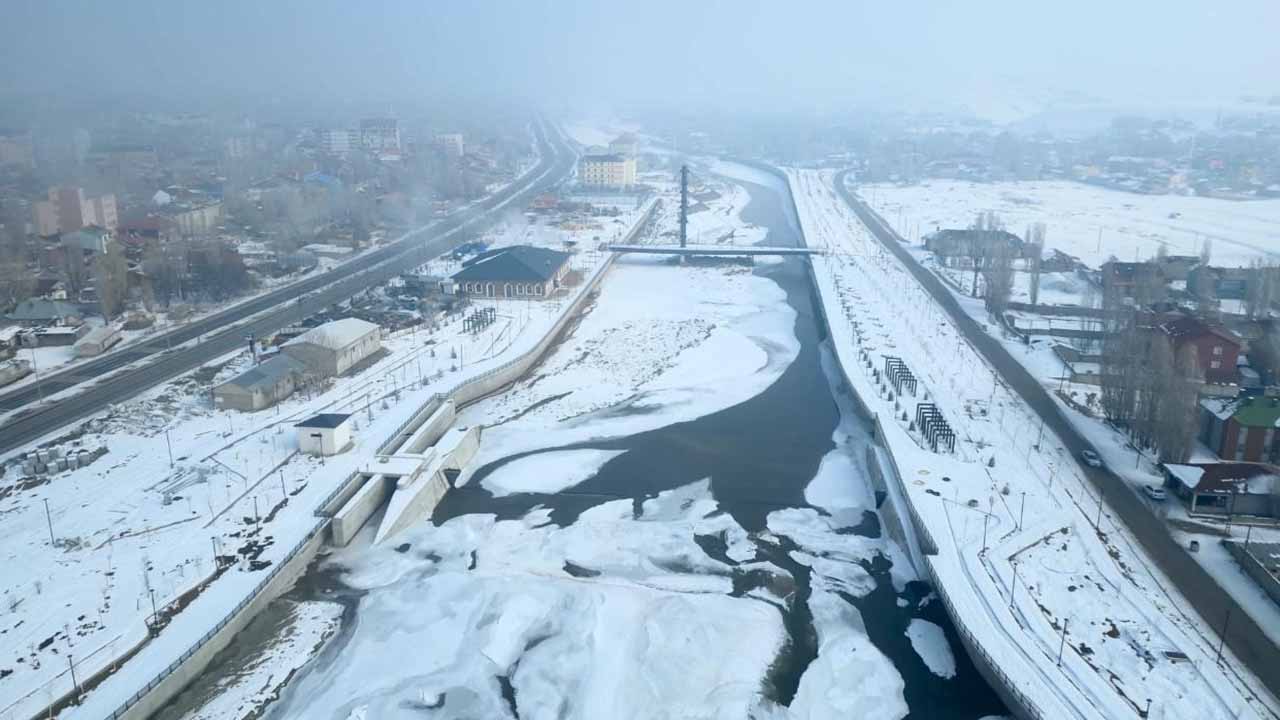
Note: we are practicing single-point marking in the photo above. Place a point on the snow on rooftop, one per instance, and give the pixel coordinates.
(335, 333)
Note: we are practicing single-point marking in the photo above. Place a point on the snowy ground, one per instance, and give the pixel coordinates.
(1013, 598)
(130, 528)
(622, 613)
(1132, 226)
(242, 693)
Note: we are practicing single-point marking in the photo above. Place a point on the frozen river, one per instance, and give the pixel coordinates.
(671, 518)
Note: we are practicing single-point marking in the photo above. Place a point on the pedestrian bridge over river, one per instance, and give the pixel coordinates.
(734, 250)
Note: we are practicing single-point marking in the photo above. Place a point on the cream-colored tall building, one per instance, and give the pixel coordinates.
(607, 171)
(68, 210)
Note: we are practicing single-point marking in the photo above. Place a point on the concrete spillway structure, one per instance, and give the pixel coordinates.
(417, 494)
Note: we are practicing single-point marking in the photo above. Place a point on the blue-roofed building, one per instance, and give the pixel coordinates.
(518, 271)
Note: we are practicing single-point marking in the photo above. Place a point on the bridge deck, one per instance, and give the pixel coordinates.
(712, 250)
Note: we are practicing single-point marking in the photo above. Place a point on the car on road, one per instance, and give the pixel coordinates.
(1091, 458)
(1155, 492)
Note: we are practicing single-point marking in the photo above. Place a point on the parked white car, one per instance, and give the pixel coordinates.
(1091, 458)
(1155, 492)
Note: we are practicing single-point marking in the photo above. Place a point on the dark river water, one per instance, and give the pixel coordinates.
(759, 455)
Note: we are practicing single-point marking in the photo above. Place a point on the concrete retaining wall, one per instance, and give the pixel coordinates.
(427, 494)
(172, 684)
(432, 428)
(348, 521)
(1254, 570)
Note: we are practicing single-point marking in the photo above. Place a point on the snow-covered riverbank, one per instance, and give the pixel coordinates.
(654, 600)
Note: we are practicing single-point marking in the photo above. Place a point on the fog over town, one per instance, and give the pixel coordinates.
(605, 360)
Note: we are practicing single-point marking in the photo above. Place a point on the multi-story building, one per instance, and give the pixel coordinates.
(339, 142)
(451, 144)
(380, 134)
(607, 171)
(68, 210)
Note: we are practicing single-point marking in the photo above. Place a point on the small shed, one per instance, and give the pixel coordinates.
(324, 434)
(97, 341)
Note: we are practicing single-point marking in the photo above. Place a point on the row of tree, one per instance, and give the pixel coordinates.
(1149, 389)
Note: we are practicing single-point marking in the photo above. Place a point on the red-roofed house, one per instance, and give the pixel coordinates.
(1216, 348)
(1226, 488)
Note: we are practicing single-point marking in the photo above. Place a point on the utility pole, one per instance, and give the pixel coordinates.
(169, 446)
(74, 683)
(684, 205)
(1013, 589)
(1222, 639)
(49, 519)
(1063, 643)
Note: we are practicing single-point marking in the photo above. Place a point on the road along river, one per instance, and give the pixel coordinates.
(669, 518)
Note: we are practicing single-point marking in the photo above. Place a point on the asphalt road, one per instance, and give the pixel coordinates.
(1206, 596)
(286, 306)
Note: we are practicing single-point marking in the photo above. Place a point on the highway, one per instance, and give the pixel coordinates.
(1214, 605)
(209, 337)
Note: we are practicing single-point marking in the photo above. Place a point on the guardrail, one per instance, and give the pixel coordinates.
(228, 618)
(1026, 705)
(527, 356)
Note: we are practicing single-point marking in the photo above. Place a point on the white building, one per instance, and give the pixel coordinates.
(380, 135)
(339, 142)
(607, 171)
(324, 434)
(451, 144)
(334, 347)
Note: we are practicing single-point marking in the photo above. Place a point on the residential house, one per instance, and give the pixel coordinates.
(1226, 488)
(518, 271)
(1216, 348)
(1242, 428)
(334, 347)
(91, 240)
(40, 311)
(1219, 283)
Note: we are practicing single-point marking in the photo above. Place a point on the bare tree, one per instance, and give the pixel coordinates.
(16, 281)
(1121, 358)
(980, 243)
(1035, 254)
(1261, 289)
(997, 275)
(111, 278)
(1176, 382)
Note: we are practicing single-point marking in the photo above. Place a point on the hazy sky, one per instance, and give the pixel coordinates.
(778, 54)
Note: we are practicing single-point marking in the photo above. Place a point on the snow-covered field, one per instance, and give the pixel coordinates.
(1132, 226)
(623, 613)
(1004, 490)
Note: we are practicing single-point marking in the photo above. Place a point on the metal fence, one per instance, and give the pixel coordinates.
(230, 616)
